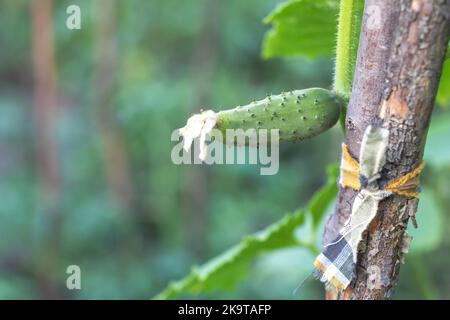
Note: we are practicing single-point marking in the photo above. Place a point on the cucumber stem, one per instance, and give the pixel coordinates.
(346, 46)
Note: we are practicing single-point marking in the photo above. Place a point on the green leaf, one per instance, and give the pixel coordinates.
(443, 95)
(437, 152)
(224, 271)
(309, 27)
(302, 28)
(323, 198)
(429, 217)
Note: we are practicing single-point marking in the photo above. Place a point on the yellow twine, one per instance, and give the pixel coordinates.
(405, 185)
(349, 170)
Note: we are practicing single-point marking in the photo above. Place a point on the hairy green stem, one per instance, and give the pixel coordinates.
(346, 46)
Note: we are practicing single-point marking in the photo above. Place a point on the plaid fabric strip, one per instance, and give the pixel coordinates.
(335, 264)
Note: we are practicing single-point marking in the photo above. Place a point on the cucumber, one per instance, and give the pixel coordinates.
(298, 114)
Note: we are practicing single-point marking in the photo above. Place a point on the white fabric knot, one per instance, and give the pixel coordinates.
(365, 205)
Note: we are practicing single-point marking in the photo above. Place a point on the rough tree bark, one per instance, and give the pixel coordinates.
(402, 48)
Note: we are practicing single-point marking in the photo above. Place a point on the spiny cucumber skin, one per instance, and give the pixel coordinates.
(298, 114)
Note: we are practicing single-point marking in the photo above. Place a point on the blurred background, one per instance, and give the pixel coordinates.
(85, 170)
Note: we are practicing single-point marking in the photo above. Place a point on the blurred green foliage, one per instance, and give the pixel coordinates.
(227, 269)
(174, 57)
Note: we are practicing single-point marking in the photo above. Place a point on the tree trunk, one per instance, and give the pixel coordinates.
(45, 116)
(402, 48)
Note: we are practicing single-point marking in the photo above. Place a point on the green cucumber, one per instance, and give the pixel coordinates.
(298, 114)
